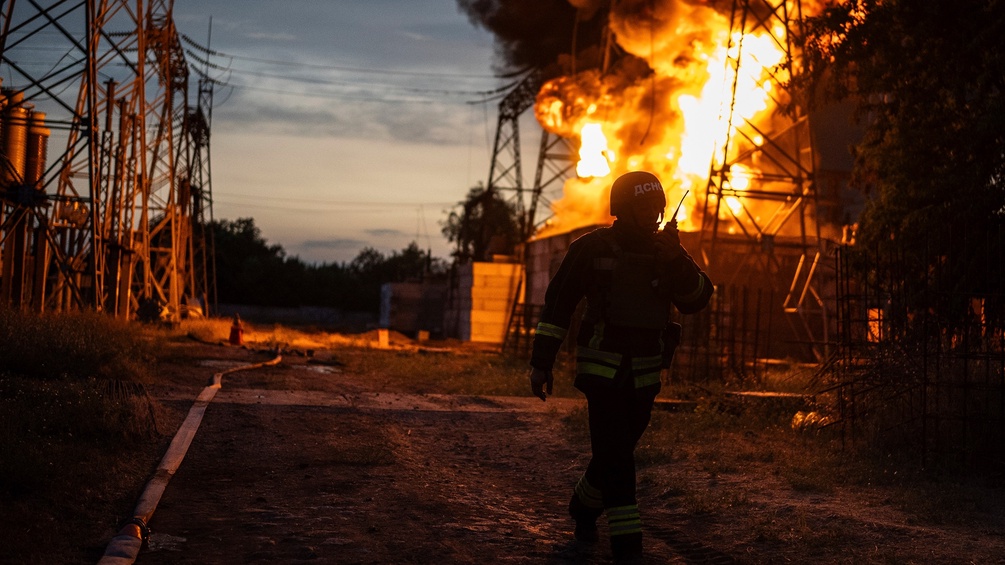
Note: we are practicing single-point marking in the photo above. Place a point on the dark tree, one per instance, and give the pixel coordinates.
(929, 83)
(371, 268)
(251, 271)
(484, 223)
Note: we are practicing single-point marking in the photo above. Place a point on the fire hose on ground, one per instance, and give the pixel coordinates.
(124, 548)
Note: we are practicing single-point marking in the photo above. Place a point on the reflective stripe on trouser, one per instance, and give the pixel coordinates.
(590, 497)
(646, 370)
(551, 330)
(596, 362)
(618, 417)
(623, 520)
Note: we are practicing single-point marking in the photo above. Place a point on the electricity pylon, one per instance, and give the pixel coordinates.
(761, 199)
(111, 216)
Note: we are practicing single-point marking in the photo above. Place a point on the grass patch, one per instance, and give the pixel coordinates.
(456, 372)
(76, 425)
(208, 330)
(73, 345)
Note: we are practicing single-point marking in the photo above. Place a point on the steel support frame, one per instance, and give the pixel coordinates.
(783, 160)
(116, 224)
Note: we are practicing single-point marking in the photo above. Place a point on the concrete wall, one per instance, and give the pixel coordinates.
(484, 299)
(413, 307)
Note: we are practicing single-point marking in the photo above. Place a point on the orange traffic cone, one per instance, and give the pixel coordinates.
(237, 331)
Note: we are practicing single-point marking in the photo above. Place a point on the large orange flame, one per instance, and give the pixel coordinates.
(672, 119)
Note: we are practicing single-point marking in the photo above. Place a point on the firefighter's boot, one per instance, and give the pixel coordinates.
(586, 520)
(626, 534)
(627, 549)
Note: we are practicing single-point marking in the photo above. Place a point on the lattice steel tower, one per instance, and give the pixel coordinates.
(107, 223)
(761, 208)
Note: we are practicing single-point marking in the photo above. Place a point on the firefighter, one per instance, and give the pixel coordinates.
(630, 274)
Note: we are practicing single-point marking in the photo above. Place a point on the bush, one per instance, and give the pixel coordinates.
(45, 424)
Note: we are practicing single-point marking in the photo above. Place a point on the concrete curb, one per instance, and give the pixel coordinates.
(125, 546)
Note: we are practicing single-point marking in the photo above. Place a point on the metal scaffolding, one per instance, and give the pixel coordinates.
(116, 222)
(760, 205)
(554, 160)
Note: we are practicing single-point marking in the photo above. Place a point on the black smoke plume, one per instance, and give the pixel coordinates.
(540, 34)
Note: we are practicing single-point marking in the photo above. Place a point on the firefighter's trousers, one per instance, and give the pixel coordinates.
(618, 417)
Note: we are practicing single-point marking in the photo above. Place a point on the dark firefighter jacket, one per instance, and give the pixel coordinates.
(628, 296)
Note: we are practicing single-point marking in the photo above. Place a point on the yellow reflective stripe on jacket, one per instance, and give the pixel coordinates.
(646, 370)
(624, 520)
(643, 363)
(692, 296)
(596, 362)
(551, 330)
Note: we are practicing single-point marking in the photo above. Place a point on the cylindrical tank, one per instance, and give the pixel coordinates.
(15, 140)
(35, 155)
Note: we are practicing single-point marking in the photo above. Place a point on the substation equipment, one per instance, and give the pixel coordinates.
(106, 194)
(781, 253)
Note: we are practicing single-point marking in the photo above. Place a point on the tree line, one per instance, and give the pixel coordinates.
(249, 270)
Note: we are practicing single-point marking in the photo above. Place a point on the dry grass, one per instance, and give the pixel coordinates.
(402, 366)
(783, 484)
(282, 338)
(74, 422)
(73, 345)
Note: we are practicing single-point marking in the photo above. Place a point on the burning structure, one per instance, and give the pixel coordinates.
(701, 93)
(698, 92)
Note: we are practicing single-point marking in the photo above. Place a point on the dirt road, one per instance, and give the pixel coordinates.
(360, 477)
(305, 462)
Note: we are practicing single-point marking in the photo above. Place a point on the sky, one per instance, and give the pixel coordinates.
(344, 125)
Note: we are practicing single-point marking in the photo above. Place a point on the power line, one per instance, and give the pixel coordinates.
(390, 203)
(324, 82)
(375, 208)
(329, 67)
(337, 96)
(368, 96)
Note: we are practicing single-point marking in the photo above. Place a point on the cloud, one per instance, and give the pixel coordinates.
(266, 36)
(330, 103)
(421, 120)
(336, 244)
(415, 36)
(384, 232)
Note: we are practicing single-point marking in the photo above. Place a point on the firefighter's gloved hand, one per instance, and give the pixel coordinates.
(668, 245)
(538, 379)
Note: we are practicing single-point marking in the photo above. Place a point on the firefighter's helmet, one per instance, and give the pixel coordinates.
(633, 187)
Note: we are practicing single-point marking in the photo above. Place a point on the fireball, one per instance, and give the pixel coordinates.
(673, 119)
